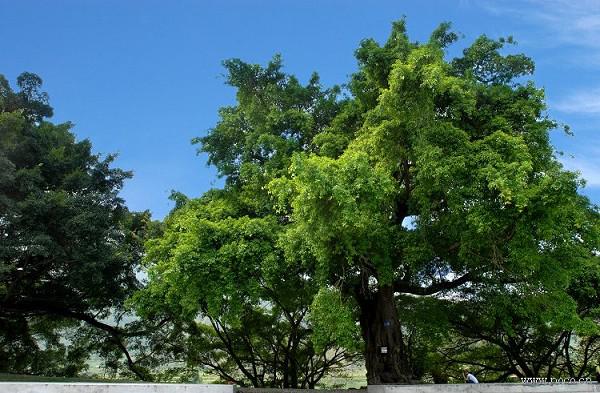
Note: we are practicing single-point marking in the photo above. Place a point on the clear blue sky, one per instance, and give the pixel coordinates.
(141, 78)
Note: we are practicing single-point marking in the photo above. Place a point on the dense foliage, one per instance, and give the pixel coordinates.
(425, 204)
(218, 268)
(447, 188)
(69, 247)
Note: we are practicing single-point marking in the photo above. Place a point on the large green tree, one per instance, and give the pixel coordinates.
(218, 270)
(447, 186)
(69, 246)
(429, 189)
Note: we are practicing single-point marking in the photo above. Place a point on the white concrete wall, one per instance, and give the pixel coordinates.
(56, 387)
(487, 388)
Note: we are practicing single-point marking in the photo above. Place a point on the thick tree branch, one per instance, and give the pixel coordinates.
(406, 287)
(38, 306)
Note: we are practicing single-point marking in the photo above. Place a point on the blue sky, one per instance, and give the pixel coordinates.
(141, 78)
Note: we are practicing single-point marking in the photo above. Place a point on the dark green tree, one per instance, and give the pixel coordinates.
(69, 246)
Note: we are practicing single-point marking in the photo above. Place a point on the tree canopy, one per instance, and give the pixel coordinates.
(426, 185)
(218, 268)
(448, 187)
(69, 246)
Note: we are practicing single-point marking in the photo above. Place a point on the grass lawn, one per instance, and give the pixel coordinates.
(35, 378)
(352, 378)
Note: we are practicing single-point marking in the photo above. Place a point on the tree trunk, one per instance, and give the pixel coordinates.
(385, 353)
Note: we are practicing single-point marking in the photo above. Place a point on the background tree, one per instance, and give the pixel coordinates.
(522, 336)
(449, 187)
(69, 247)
